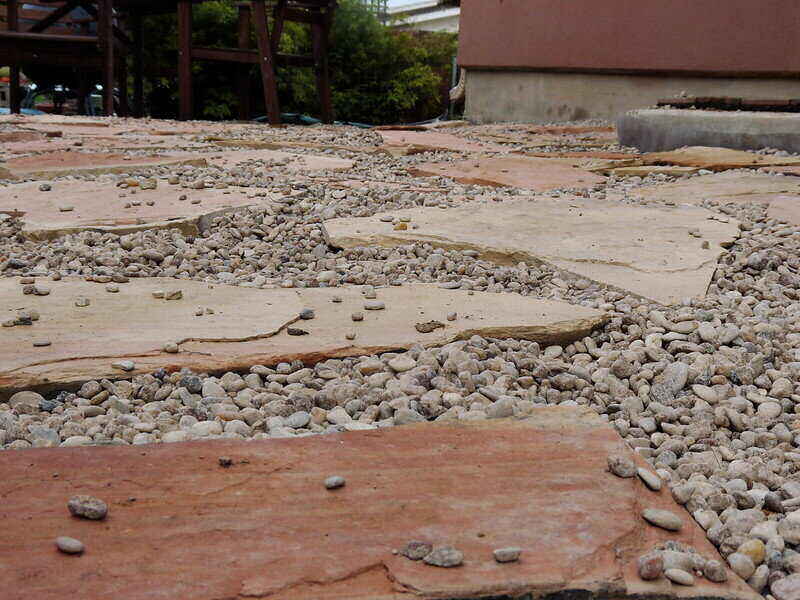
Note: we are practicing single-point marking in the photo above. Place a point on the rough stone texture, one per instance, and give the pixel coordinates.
(241, 533)
(645, 250)
(539, 174)
(722, 188)
(658, 130)
(58, 164)
(242, 331)
(98, 206)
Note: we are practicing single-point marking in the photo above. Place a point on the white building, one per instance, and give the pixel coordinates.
(424, 15)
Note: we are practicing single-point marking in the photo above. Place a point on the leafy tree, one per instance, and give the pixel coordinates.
(378, 75)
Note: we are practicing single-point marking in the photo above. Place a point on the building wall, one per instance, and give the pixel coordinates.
(495, 96)
(730, 36)
(567, 59)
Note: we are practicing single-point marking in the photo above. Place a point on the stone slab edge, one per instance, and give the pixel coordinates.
(61, 172)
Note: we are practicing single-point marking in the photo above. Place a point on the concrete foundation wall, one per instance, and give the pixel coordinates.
(494, 96)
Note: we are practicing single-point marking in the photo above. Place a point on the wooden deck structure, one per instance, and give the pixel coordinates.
(51, 38)
(43, 33)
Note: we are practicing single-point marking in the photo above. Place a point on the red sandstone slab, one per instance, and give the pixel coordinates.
(58, 164)
(538, 174)
(182, 527)
(102, 206)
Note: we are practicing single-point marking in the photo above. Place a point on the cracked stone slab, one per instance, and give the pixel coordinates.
(720, 187)
(98, 206)
(266, 527)
(60, 163)
(248, 326)
(538, 174)
(645, 250)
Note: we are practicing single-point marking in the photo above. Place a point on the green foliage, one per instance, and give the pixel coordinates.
(378, 75)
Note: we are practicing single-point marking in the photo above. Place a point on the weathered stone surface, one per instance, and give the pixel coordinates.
(717, 159)
(645, 250)
(242, 331)
(538, 174)
(241, 532)
(98, 206)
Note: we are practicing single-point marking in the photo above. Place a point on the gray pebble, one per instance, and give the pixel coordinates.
(69, 545)
(334, 482)
(87, 507)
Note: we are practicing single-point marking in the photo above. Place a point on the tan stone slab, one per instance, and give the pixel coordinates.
(59, 164)
(645, 170)
(645, 250)
(433, 141)
(285, 145)
(180, 526)
(720, 187)
(295, 162)
(132, 324)
(785, 208)
(717, 159)
(98, 206)
(539, 174)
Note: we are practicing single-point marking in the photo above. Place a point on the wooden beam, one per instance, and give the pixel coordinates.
(55, 16)
(266, 62)
(185, 59)
(138, 65)
(278, 18)
(105, 33)
(235, 55)
(243, 74)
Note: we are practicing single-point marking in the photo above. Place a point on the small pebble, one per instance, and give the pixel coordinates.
(649, 478)
(45, 187)
(66, 208)
(350, 335)
(334, 482)
(662, 518)
(112, 289)
(336, 299)
(416, 550)
(307, 314)
(374, 305)
(679, 576)
(124, 365)
(621, 466)
(87, 507)
(650, 566)
(82, 302)
(224, 461)
(357, 316)
(445, 557)
(171, 348)
(507, 555)
(452, 316)
(174, 295)
(69, 545)
(41, 343)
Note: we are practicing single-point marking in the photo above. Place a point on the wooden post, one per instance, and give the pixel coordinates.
(243, 76)
(266, 62)
(15, 92)
(279, 18)
(105, 32)
(124, 106)
(185, 59)
(320, 30)
(138, 65)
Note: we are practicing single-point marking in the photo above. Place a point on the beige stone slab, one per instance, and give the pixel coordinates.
(717, 159)
(60, 163)
(720, 187)
(242, 331)
(538, 174)
(645, 170)
(293, 162)
(285, 145)
(416, 142)
(645, 250)
(785, 208)
(98, 206)
(180, 527)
